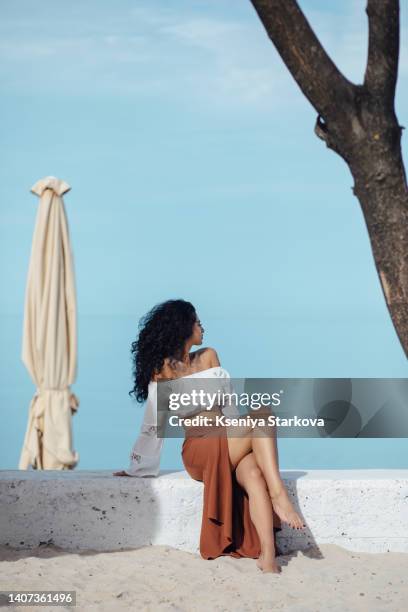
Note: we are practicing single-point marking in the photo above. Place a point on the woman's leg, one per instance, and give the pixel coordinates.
(263, 444)
(265, 449)
(250, 477)
(239, 443)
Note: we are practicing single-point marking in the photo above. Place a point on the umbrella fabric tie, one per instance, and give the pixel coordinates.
(73, 399)
(40, 389)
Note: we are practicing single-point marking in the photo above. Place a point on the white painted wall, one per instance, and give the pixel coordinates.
(362, 510)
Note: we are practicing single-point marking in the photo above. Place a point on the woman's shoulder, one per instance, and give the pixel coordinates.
(202, 359)
(210, 356)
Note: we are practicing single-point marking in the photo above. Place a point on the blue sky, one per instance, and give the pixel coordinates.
(195, 173)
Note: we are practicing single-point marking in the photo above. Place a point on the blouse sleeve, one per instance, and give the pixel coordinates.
(146, 451)
(229, 407)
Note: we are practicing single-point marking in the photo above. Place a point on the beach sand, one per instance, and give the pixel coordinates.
(163, 578)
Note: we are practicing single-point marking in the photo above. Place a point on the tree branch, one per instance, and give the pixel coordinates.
(383, 49)
(326, 88)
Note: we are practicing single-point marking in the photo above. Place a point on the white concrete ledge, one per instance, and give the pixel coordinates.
(361, 510)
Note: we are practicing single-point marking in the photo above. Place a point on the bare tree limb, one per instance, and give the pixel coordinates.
(321, 81)
(383, 50)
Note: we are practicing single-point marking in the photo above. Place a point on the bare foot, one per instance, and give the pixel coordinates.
(267, 564)
(284, 509)
(121, 473)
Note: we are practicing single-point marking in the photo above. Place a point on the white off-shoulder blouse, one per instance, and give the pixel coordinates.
(146, 451)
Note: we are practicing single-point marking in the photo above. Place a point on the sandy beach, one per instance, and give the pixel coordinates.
(159, 577)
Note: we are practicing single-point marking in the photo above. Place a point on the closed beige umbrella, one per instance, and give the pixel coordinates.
(50, 335)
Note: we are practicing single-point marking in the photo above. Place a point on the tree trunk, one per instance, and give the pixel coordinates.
(376, 164)
(359, 123)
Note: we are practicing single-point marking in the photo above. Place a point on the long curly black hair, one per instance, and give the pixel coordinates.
(163, 332)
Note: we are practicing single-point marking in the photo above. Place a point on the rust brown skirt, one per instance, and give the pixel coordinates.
(226, 527)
